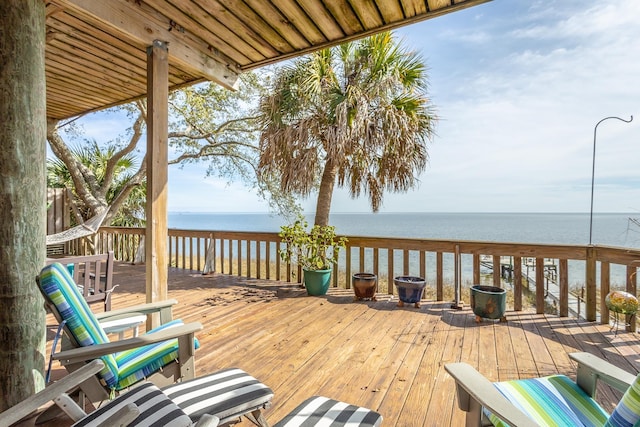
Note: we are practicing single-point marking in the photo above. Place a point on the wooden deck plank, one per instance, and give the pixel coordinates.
(372, 354)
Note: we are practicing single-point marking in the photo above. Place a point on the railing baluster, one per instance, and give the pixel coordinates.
(497, 270)
(268, 259)
(591, 284)
(390, 272)
(540, 286)
(517, 283)
(376, 265)
(231, 257)
(439, 279)
(248, 249)
(632, 281)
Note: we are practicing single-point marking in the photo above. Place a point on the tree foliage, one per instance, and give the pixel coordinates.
(207, 123)
(357, 115)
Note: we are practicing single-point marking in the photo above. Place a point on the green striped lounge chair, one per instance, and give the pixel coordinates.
(554, 400)
(123, 366)
(227, 394)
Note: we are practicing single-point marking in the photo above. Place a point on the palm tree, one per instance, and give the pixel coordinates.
(357, 114)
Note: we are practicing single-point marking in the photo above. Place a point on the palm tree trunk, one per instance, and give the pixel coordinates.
(23, 199)
(323, 205)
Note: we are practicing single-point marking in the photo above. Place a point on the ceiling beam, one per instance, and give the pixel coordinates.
(143, 25)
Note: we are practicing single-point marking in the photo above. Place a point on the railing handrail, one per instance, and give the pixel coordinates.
(251, 254)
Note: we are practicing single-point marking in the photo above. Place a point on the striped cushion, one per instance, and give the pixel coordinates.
(56, 282)
(227, 394)
(138, 363)
(627, 412)
(322, 411)
(551, 401)
(121, 369)
(156, 409)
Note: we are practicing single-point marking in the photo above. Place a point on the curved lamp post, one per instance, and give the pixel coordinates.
(593, 169)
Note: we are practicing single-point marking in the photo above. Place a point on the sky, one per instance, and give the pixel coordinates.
(519, 86)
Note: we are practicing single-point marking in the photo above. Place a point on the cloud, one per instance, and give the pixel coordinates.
(519, 86)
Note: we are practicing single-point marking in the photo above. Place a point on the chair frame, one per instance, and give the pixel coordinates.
(92, 273)
(57, 392)
(475, 391)
(73, 356)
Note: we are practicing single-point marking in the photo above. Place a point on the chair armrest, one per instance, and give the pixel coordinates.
(592, 368)
(208, 420)
(475, 392)
(123, 416)
(164, 307)
(91, 352)
(51, 392)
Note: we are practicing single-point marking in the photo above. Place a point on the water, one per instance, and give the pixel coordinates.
(612, 229)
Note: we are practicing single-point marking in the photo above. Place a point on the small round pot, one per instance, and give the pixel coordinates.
(410, 289)
(488, 302)
(364, 286)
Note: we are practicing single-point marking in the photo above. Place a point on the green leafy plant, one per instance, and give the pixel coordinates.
(317, 249)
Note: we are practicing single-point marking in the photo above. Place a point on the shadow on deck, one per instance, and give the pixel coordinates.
(372, 354)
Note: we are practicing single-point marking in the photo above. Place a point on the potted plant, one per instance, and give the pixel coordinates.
(315, 251)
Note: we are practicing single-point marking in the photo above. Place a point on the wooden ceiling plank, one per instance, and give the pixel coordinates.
(260, 23)
(370, 31)
(203, 25)
(126, 71)
(391, 11)
(291, 21)
(84, 68)
(142, 26)
(438, 4)
(79, 29)
(368, 14)
(82, 32)
(323, 19)
(413, 7)
(91, 89)
(345, 16)
(73, 97)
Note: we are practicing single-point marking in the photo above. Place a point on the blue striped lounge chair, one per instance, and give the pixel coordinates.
(554, 400)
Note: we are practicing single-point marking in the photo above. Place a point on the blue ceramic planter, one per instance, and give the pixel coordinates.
(410, 289)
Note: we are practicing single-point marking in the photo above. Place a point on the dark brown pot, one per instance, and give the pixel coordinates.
(364, 286)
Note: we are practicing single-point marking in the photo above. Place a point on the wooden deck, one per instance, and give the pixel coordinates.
(372, 354)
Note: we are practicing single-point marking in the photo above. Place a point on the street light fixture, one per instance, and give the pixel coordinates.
(593, 169)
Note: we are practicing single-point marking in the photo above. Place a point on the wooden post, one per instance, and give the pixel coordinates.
(22, 204)
(157, 170)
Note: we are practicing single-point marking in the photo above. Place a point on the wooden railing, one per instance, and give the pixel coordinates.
(440, 262)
